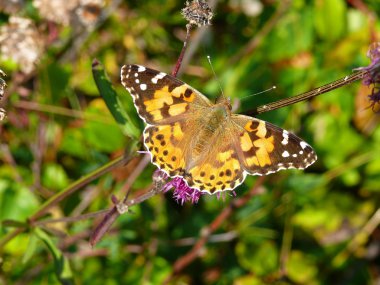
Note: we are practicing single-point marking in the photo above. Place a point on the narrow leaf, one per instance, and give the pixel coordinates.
(31, 249)
(110, 97)
(61, 263)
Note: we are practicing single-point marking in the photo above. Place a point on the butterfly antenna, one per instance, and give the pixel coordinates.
(267, 90)
(216, 77)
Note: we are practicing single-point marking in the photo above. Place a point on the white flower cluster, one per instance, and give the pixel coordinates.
(11, 6)
(66, 12)
(21, 41)
(2, 87)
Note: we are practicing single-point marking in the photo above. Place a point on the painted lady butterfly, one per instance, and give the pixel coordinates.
(211, 148)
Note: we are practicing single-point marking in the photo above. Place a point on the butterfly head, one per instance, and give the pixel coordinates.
(224, 101)
(223, 107)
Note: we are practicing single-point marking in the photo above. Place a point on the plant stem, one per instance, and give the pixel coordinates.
(180, 58)
(53, 201)
(310, 94)
(77, 185)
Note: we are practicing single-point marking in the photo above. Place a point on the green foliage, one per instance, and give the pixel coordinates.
(61, 263)
(72, 133)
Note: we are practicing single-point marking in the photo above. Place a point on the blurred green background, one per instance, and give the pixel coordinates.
(319, 226)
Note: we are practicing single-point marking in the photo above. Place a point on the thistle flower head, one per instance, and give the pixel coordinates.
(374, 51)
(373, 75)
(198, 13)
(89, 11)
(182, 192)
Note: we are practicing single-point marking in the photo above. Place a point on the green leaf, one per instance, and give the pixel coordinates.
(110, 96)
(301, 268)
(73, 143)
(30, 250)
(17, 202)
(61, 263)
(54, 83)
(54, 177)
(248, 280)
(294, 33)
(101, 136)
(260, 258)
(330, 18)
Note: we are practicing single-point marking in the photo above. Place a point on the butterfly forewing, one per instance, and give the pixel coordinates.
(160, 98)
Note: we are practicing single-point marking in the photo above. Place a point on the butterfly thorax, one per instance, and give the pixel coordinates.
(213, 123)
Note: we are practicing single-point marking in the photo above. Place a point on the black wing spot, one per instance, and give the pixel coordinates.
(188, 93)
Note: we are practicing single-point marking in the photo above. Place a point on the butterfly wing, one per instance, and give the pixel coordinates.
(264, 148)
(161, 98)
(167, 145)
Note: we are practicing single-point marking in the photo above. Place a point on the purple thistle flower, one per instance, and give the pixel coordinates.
(373, 75)
(182, 192)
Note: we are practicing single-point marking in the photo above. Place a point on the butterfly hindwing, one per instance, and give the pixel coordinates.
(164, 144)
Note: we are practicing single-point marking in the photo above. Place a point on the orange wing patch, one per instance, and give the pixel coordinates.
(264, 148)
(167, 103)
(256, 144)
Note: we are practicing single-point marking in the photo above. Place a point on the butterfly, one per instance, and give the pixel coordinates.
(207, 145)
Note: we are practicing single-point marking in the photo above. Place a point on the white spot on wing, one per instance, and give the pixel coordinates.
(141, 68)
(303, 144)
(285, 154)
(143, 87)
(285, 135)
(158, 77)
